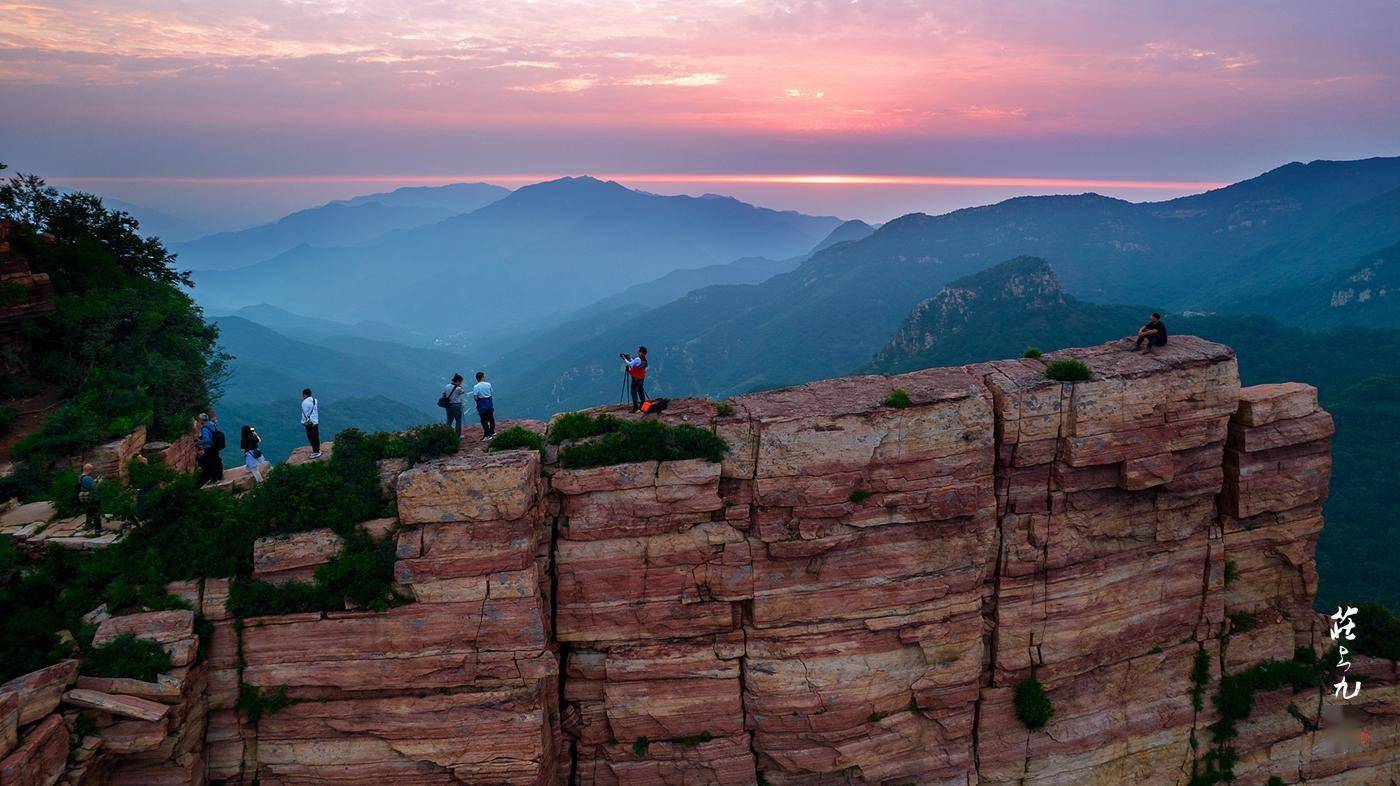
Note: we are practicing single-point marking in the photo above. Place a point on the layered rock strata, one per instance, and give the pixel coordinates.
(852, 596)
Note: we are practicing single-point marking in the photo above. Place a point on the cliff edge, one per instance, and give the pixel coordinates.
(859, 593)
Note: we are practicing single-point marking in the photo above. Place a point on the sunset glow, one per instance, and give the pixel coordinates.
(896, 93)
(699, 179)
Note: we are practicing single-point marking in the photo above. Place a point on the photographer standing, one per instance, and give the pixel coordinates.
(637, 370)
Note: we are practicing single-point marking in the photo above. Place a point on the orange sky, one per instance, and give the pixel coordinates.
(971, 90)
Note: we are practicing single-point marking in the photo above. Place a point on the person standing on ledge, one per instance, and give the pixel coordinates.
(637, 370)
(92, 504)
(485, 408)
(452, 401)
(311, 419)
(1154, 333)
(211, 441)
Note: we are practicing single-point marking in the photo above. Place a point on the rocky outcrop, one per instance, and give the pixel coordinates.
(852, 596)
(24, 295)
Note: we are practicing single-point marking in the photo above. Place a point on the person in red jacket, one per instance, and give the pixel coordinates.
(637, 370)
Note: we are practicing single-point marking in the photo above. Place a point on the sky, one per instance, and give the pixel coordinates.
(240, 110)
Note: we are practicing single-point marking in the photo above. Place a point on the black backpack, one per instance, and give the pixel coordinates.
(217, 441)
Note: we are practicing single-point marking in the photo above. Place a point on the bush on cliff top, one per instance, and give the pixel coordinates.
(898, 399)
(644, 440)
(1068, 370)
(516, 438)
(581, 425)
(1033, 707)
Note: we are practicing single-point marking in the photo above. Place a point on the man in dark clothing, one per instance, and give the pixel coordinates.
(637, 369)
(485, 405)
(1154, 334)
(311, 419)
(211, 465)
(92, 505)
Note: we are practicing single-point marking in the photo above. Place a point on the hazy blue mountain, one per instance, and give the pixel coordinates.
(1368, 294)
(313, 328)
(454, 198)
(855, 229)
(1292, 279)
(546, 249)
(270, 369)
(749, 270)
(837, 309)
(1000, 312)
(334, 224)
(169, 228)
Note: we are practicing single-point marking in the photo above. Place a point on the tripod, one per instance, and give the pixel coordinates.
(626, 387)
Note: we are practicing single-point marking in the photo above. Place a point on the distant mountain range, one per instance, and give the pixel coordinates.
(546, 249)
(831, 314)
(339, 223)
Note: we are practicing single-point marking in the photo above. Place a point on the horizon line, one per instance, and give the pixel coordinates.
(824, 179)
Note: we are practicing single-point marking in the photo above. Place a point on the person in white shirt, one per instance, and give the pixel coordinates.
(452, 401)
(311, 419)
(485, 408)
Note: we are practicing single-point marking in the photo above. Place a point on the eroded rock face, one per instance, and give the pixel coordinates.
(457, 684)
(851, 597)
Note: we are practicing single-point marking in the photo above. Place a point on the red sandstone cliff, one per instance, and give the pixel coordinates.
(851, 597)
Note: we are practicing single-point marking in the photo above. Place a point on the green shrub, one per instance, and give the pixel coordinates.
(1232, 572)
(1377, 632)
(417, 444)
(1032, 353)
(7, 416)
(859, 495)
(337, 493)
(129, 657)
(63, 492)
(1033, 707)
(581, 425)
(724, 409)
(1274, 780)
(644, 440)
(516, 438)
(257, 704)
(1068, 370)
(640, 747)
(899, 399)
(362, 574)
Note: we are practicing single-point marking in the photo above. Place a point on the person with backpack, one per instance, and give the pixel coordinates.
(251, 444)
(91, 503)
(451, 400)
(311, 419)
(636, 368)
(485, 407)
(211, 441)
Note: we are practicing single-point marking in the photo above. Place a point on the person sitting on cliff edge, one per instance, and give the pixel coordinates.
(1154, 334)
